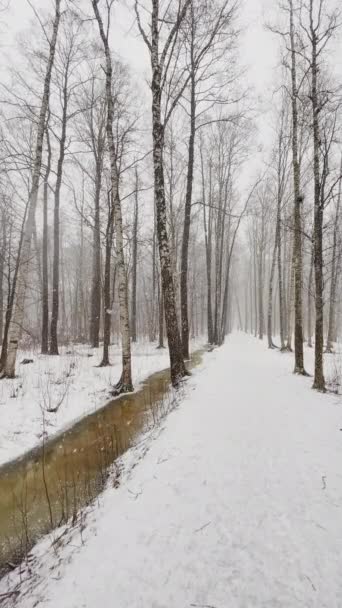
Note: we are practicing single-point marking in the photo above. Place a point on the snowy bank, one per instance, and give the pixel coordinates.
(71, 383)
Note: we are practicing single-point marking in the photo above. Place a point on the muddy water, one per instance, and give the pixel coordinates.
(50, 484)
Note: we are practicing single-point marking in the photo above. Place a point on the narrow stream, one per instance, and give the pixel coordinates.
(50, 484)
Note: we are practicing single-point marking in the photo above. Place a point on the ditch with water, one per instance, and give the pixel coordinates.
(51, 484)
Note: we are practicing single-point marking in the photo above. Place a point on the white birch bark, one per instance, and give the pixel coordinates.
(125, 383)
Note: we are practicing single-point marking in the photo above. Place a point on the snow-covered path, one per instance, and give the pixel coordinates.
(237, 504)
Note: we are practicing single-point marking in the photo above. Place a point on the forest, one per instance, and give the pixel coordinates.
(163, 205)
(120, 222)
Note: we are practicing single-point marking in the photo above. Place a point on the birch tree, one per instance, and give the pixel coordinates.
(319, 26)
(125, 383)
(167, 85)
(135, 258)
(298, 202)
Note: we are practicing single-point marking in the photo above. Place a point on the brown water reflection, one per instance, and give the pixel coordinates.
(52, 483)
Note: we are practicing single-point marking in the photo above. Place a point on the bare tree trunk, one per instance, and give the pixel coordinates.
(160, 63)
(298, 200)
(96, 264)
(56, 235)
(239, 311)
(107, 312)
(310, 300)
(319, 382)
(281, 172)
(251, 296)
(161, 319)
(225, 304)
(219, 231)
(209, 281)
(291, 304)
(334, 276)
(188, 199)
(135, 261)
(261, 323)
(208, 249)
(154, 282)
(220, 311)
(125, 383)
(173, 218)
(11, 287)
(245, 327)
(260, 266)
(255, 282)
(81, 322)
(45, 274)
(8, 369)
(38, 266)
(270, 292)
(281, 287)
(178, 369)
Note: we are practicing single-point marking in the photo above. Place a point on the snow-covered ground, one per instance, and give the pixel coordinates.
(236, 504)
(72, 382)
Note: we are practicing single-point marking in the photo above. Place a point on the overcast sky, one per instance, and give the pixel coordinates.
(259, 49)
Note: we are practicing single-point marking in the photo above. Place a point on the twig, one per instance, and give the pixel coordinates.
(310, 581)
(161, 460)
(9, 594)
(202, 527)
(202, 606)
(135, 494)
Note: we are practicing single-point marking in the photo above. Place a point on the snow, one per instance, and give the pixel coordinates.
(71, 382)
(237, 503)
